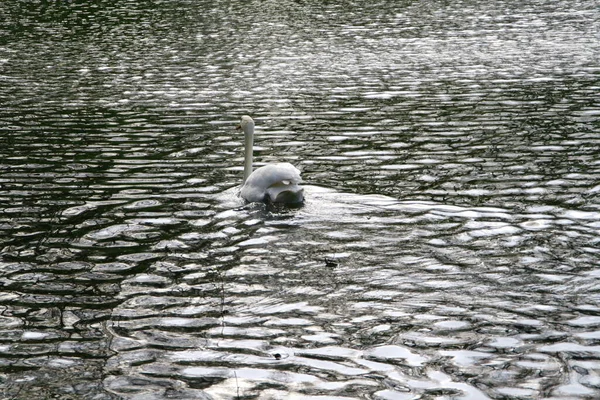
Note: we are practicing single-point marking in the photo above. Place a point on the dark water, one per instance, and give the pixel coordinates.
(448, 247)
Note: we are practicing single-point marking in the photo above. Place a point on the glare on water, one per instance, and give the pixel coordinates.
(447, 247)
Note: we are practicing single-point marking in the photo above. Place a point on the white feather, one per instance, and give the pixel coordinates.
(273, 180)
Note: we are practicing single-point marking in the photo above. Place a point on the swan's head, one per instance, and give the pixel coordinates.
(247, 124)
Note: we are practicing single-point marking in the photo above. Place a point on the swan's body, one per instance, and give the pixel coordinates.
(276, 183)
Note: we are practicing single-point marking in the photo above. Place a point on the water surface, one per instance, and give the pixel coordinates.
(448, 247)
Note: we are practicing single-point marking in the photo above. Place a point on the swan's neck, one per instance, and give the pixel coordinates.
(248, 143)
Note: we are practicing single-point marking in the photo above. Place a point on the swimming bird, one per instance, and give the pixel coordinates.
(272, 183)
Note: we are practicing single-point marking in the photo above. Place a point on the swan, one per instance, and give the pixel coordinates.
(272, 183)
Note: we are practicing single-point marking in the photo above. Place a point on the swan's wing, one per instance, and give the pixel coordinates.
(272, 176)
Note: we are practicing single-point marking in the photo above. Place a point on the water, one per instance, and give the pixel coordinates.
(448, 247)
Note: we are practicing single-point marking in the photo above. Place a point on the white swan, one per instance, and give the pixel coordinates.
(276, 183)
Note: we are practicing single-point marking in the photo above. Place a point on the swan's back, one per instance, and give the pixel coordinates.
(278, 183)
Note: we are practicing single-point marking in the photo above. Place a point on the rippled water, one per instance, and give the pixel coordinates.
(448, 247)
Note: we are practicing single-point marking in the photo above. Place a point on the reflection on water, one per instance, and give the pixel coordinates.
(447, 248)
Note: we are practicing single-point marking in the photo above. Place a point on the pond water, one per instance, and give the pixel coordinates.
(448, 247)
